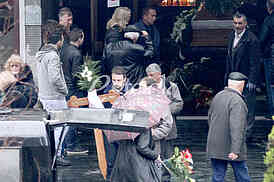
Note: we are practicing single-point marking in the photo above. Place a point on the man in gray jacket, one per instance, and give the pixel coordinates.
(176, 105)
(51, 82)
(227, 119)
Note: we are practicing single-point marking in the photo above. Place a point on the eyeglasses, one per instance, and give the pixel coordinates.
(15, 65)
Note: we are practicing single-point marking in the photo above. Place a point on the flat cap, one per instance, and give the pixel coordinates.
(132, 28)
(237, 76)
(153, 68)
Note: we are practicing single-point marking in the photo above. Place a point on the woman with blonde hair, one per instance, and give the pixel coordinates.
(19, 91)
(117, 24)
(115, 33)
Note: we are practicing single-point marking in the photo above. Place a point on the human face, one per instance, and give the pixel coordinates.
(155, 76)
(239, 24)
(15, 68)
(150, 17)
(118, 81)
(66, 21)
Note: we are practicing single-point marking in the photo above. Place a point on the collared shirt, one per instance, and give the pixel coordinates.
(237, 38)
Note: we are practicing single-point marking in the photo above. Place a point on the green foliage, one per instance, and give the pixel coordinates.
(269, 159)
(180, 166)
(89, 76)
(182, 27)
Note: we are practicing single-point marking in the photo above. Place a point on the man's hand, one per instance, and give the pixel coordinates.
(232, 156)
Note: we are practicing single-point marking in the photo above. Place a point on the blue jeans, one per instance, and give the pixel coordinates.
(239, 168)
(269, 69)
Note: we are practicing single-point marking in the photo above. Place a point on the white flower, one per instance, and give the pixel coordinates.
(89, 73)
(82, 74)
(89, 78)
(86, 69)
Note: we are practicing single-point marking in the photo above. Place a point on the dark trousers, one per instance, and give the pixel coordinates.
(250, 98)
(269, 76)
(111, 150)
(239, 168)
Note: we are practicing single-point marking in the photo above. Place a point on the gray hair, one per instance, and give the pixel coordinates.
(153, 68)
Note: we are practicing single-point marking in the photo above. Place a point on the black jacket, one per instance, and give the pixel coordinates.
(72, 62)
(131, 56)
(245, 57)
(267, 36)
(154, 35)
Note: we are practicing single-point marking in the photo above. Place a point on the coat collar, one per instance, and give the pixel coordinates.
(241, 41)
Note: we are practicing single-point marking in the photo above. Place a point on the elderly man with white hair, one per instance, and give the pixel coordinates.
(131, 55)
(227, 120)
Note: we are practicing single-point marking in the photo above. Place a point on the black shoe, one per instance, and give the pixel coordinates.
(60, 161)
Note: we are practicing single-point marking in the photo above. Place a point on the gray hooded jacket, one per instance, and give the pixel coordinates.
(51, 82)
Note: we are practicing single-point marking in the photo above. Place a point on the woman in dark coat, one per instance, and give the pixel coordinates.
(115, 33)
(21, 93)
(135, 160)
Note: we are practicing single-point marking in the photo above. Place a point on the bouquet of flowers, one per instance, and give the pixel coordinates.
(180, 166)
(89, 76)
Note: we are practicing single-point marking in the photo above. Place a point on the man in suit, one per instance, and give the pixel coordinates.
(244, 57)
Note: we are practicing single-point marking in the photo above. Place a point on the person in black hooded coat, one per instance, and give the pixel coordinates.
(135, 160)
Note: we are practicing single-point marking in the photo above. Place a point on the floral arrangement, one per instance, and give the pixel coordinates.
(269, 158)
(89, 76)
(203, 95)
(180, 166)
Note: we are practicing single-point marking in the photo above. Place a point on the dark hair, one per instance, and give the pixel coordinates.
(270, 5)
(64, 11)
(48, 28)
(146, 10)
(119, 70)
(56, 35)
(75, 34)
(239, 15)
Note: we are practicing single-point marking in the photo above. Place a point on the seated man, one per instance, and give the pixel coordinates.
(119, 83)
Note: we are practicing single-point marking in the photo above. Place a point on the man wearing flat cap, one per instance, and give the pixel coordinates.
(227, 120)
(130, 55)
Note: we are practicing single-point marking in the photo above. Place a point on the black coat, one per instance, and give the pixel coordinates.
(246, 56)
(72, 61)
(267, 36)
(131, 56)
(154, 35)
(135, 161)
(22, 93)
(227, 120)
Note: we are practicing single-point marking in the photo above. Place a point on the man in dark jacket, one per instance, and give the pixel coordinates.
(72, 62)
(130, 55)
(244, 57)
(147, 24)
(227, 120)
